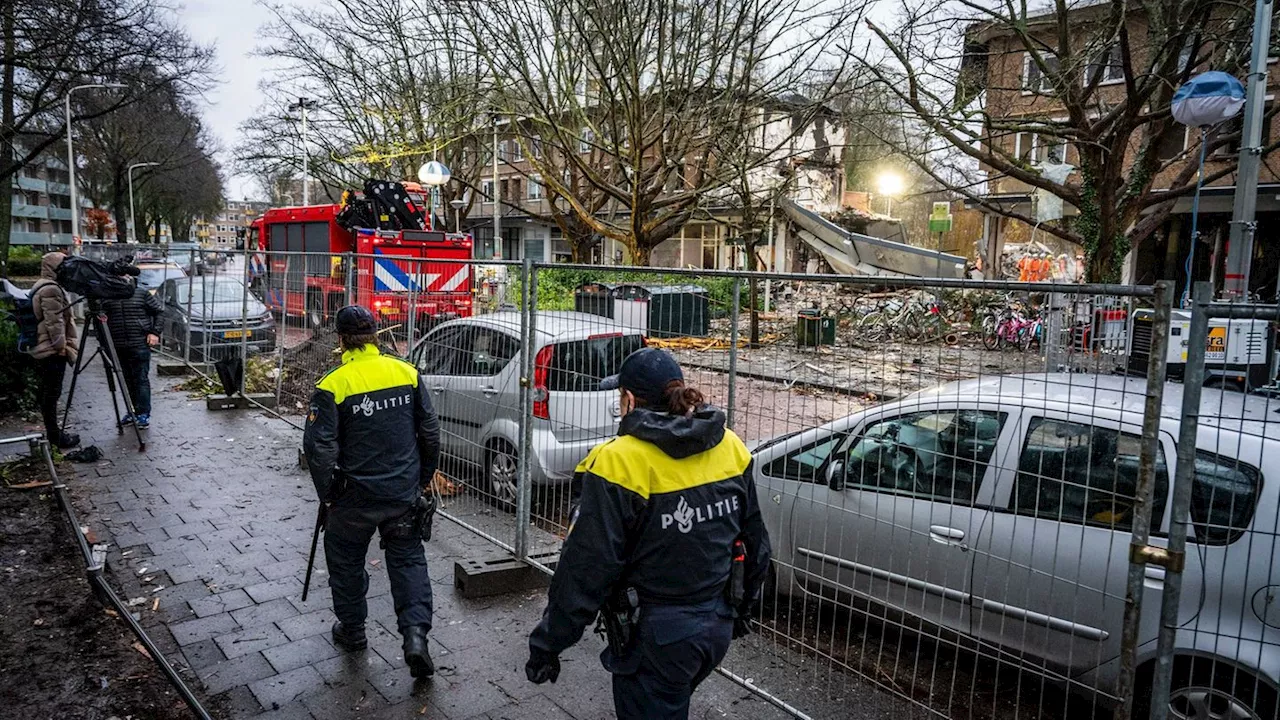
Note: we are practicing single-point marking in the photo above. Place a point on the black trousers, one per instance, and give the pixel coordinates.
(135, 365)
(51, 371)
(678, 647)
(346, 544)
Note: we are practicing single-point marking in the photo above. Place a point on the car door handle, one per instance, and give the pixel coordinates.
(947, 536)
(489, 391)
(437, 389)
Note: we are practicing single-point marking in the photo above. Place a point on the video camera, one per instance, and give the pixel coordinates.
(96, 279)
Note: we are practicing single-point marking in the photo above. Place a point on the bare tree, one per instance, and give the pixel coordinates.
(392, 90)
(635, 97)
(994, 88)
(50, 46)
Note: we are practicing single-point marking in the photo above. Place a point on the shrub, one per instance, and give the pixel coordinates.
(18, 382)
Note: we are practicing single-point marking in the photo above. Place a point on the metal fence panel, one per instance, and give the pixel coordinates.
(954, 473)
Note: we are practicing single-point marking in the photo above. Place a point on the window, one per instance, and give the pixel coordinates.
(588, 139)
(482, 352)
(1173, 142)
(515, 188)
(536, 147)
(1035, 149)
(805, 464)
(505, 186)
(580, 365)
(535, 188)
(486, 190)
(1077, 473)
(31, 171)
(1224, 494)
(1033, 79)
(939, 454)
(436, 354)
(1107, 67)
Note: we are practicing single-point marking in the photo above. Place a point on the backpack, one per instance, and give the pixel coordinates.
(93, 279)
(24, 314)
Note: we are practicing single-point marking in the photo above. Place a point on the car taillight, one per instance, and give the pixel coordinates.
(644, 341)
(541, 371)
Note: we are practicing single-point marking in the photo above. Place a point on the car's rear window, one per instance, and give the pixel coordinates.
(578, 366)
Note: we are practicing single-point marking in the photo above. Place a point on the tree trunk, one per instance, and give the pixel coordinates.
(6, 136)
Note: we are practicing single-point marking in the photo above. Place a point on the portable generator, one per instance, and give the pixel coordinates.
(1238, 353)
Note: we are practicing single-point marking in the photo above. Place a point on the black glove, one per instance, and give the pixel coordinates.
(741, 627)
(542, 666)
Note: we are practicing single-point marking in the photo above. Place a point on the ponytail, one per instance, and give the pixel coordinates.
(680, 399)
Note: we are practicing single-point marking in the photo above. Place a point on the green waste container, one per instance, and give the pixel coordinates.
(814, 329)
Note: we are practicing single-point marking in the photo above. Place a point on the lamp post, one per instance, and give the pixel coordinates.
(889, 183)
(71, 154)
(133, 225)
(304, 104)
(457, 205)
(433, 174)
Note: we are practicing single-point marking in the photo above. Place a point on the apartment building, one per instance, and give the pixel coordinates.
(224, 229)
(807, 161)
(1016, 90)
(40, 200)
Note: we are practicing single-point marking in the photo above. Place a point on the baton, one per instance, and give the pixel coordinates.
(321, 516)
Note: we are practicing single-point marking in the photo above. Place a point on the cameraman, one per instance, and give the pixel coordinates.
(55, 345)
(134, 324)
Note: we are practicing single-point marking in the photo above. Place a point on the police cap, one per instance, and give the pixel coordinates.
(356, 320)
(645, 373)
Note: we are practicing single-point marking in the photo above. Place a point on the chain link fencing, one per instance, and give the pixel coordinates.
(955, 474)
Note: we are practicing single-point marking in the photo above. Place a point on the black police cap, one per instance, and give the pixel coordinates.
(356, 320)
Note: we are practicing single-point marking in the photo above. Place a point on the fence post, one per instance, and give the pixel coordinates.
(244, 327)
(1143, 497)
(186, 343)
(351, 279)
(1052, 333)
(1192, 383)
(733, 349)
(528, 329)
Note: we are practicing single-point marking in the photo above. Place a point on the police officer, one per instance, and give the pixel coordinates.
(372, 444)
(661, 507)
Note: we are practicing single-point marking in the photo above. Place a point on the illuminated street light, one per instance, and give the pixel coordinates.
(890, 184)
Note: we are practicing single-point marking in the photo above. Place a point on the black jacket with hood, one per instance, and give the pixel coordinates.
(661, 505)
(131, 320)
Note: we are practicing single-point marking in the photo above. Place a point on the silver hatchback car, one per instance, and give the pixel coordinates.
(472, 369)
(1000, 510)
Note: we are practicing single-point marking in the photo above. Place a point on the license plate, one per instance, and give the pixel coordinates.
(388, 311)
(235, 334)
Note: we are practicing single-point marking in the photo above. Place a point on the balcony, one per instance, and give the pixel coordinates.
(57, 213)
(57, 188)
(30, 211)
(36, 184)
(18, 237)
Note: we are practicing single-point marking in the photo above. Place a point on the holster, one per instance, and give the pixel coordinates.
(618, 621)
(425, 512)
(735, 590)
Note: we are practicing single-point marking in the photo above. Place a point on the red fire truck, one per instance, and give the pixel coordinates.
(397, 273)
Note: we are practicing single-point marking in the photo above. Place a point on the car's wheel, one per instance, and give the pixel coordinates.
(1224, 384)
(1204, 690)
(501, 472)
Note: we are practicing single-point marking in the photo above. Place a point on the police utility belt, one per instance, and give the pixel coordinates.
(620, 617)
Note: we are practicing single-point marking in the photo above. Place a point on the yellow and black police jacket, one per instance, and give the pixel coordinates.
(661, 505)
(372, 420)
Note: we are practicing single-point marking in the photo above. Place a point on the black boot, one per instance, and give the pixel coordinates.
(415, 652)
(349, 637)
(67, 440)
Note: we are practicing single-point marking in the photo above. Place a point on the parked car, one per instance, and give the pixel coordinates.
(999, 511)
(209, 312)
(472, 369)
(153, 274)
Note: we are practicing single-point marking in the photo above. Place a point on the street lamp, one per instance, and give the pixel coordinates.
(889, 184)
(71, 155)
(133, 227)
(304, 104)
(457, 206)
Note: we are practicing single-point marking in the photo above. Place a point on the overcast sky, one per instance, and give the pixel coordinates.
(231, 26)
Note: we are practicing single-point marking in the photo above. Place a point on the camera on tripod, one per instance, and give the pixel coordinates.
(98, 280)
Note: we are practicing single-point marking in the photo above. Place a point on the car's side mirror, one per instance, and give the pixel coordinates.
(836, 475)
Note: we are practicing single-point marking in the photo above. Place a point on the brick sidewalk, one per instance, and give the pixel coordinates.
(215, 521)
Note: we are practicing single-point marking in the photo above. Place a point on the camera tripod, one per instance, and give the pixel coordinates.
(111, 364)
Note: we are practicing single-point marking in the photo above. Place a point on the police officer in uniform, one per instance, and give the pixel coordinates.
(372, 444)
(654, 537)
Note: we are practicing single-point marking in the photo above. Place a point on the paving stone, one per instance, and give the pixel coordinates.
(200, 655)
(307, 651)
(264, 613)
(235, 671)
(222, 602)
(264, 542)
(132, 538)
(467, 697)
(185, 633)
(273, 589)
(538, 706)
(296, 568)
(252, 640)
(292, 711)
(317, 622)
(345, 702)
(279, 690)
(160, 519)
(239, 702)
(247, 561)
(184, 573)
(350, 667)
